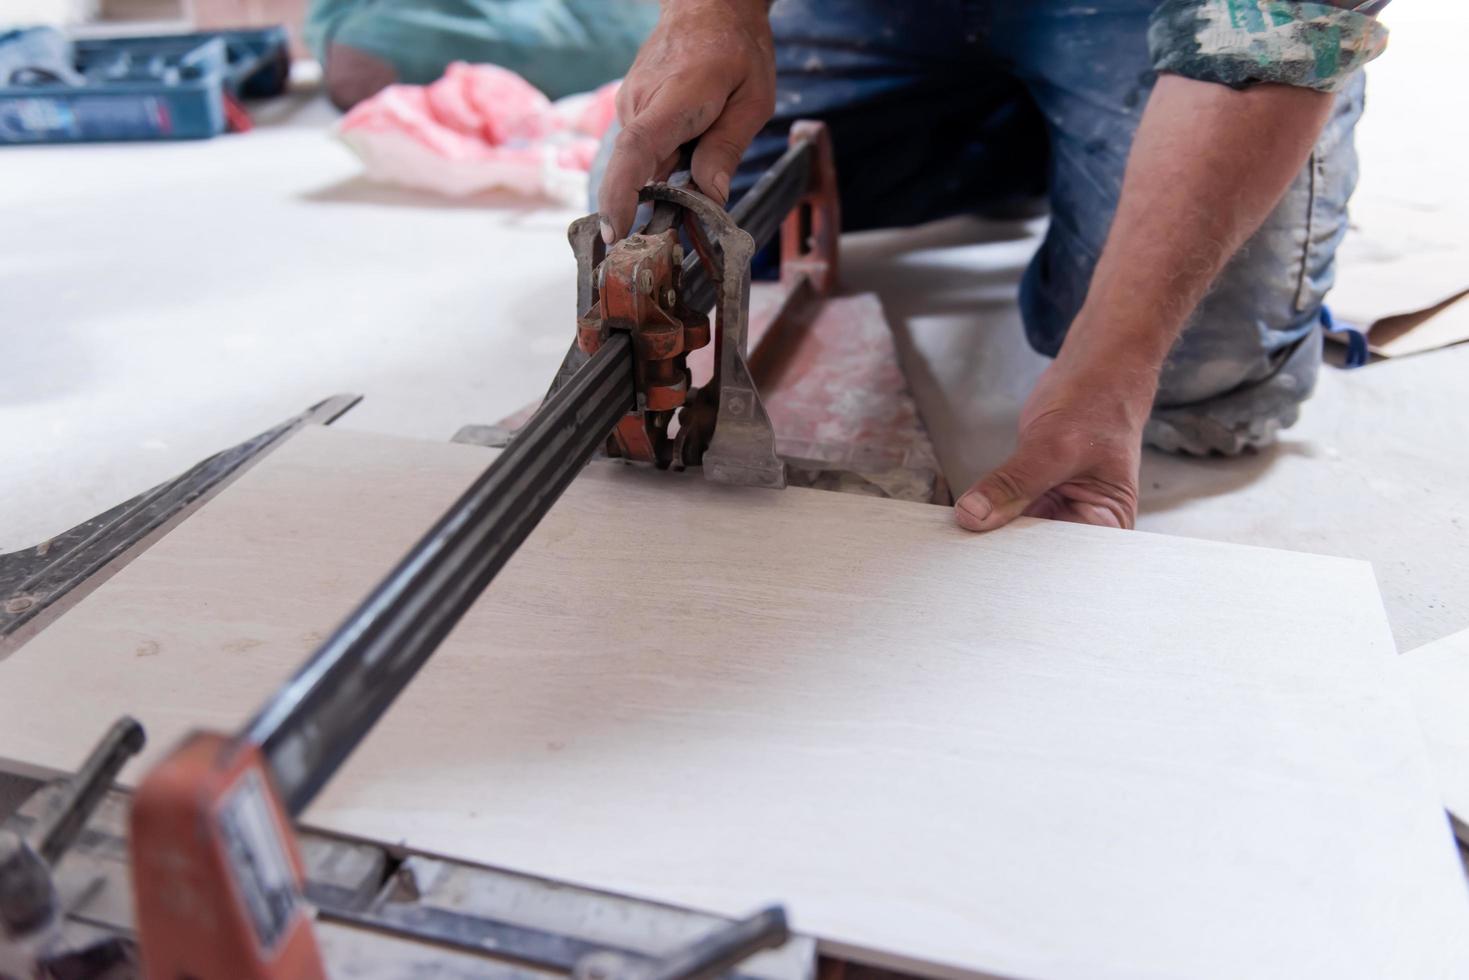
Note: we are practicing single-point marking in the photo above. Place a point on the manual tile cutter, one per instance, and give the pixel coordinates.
(216, 872)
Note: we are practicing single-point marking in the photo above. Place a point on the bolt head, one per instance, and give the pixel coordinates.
(19, 604)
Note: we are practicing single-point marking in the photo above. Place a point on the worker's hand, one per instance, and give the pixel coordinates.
(706, 72)
(1078, 455)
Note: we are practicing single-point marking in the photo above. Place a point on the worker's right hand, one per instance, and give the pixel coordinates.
(707, 72)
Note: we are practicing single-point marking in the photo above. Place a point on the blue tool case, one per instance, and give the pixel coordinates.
(56, 90)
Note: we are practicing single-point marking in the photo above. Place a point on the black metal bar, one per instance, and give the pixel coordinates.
(310, 726)
(521, 942)
(34, 579)
(717, 952)
(760, 212)
(54, 835)
(765, 206)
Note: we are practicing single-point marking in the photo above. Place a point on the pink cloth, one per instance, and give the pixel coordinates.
(481, 127)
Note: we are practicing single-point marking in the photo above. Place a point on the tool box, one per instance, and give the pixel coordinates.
(181, 86)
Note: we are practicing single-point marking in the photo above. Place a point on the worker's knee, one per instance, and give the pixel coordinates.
(1255, 328)
(1244, 364)
(353, 75)
(1245, 361)
(1268, 298)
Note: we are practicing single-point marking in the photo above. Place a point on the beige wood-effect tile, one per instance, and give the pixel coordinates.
(1054, 751)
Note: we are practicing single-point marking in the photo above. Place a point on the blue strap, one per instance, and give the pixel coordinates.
(1356, 340)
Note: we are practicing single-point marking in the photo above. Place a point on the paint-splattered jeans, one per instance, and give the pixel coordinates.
(940, 107)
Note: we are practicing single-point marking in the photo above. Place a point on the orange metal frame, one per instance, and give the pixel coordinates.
(217, 877)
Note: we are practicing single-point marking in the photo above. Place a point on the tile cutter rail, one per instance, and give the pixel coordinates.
(219, 879)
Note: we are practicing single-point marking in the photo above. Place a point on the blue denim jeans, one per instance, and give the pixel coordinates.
(941, 107)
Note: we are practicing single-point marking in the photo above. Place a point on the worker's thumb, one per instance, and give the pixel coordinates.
(1002, 495)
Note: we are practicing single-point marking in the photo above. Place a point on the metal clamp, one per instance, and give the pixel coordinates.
(741, 450)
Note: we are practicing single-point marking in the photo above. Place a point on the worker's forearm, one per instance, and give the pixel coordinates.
(1208, 165)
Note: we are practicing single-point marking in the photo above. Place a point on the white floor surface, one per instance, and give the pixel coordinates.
(159, 302)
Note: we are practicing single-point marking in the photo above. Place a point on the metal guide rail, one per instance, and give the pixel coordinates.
(384, 912)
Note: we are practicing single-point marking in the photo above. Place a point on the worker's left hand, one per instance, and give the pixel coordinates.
(1078, 454)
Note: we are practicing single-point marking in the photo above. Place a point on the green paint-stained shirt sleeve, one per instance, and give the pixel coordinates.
(1244, 42)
